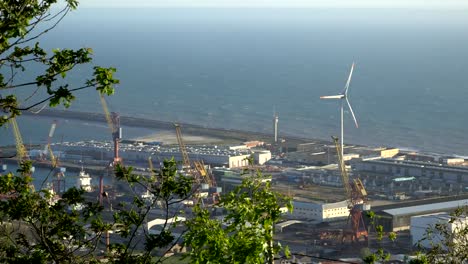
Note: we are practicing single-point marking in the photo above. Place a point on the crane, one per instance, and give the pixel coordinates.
(21, 155)
(53, 159)
(60, 174)
(208, 178)
(49, 139)
(21, 152)
(356, 196)
(151, 167)
(200, 168)
(113, 122)
(186, 164)
(183, 150)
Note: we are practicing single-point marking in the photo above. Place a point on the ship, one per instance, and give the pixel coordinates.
(84, 181)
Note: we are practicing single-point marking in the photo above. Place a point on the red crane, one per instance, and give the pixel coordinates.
(356, 196)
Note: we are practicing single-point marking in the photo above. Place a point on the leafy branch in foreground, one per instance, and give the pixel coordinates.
(21, 56)
(166, 192)
(379, 255)
(245, 235)
(38, 227)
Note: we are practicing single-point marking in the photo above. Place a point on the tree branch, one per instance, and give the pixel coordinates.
(50, 97)
(36, 82)
(22, 40)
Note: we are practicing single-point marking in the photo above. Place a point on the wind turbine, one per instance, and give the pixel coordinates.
(343, 96)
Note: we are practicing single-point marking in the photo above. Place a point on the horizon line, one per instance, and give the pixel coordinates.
(434, 8)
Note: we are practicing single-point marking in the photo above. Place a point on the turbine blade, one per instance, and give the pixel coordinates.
(345, 91)
(339, 96)
(352, 113)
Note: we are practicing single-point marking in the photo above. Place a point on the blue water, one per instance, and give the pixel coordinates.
(44, 176)
(234, 68)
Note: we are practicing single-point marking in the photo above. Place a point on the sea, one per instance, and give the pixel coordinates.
(43, 177)
(235, 68)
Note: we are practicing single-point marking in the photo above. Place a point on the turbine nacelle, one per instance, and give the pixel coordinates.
(339, 96)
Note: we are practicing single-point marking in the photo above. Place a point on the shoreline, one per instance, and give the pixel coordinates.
(199, 135)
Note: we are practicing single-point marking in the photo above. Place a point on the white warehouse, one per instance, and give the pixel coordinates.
(322, 212)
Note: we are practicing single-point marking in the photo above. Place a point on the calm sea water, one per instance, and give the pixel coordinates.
(234, 68)
(44, 176)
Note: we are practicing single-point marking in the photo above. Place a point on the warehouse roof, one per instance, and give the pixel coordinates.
(414, 210)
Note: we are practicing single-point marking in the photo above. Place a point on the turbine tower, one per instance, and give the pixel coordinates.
(343, 96)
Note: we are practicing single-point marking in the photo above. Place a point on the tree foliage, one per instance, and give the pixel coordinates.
(167, 190)
(380, 254)
(245, 235)
(448, 241)
(22, 24)
(34, 228)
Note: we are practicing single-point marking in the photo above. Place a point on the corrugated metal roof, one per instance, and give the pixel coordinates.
(414, 210)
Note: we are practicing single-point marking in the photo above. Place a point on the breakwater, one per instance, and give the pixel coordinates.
(188, 128)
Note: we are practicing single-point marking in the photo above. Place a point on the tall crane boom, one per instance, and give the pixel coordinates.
(21, 152)
(116, 136)
(183, 150)
(49, 138)
(151, 167)
(356, 195)
(53, 159)
(343, 171)
(106, 113)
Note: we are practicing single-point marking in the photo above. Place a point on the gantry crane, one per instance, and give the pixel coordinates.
(113, 121)
(356, 196)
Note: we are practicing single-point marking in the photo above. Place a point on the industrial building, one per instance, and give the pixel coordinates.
(415, 178)
(328, 175)
(321, 212)
(420, 225)
(229, 178)
(261, 156)
(213, 155)
(397, 217)
(320, 153)
(418, 169)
